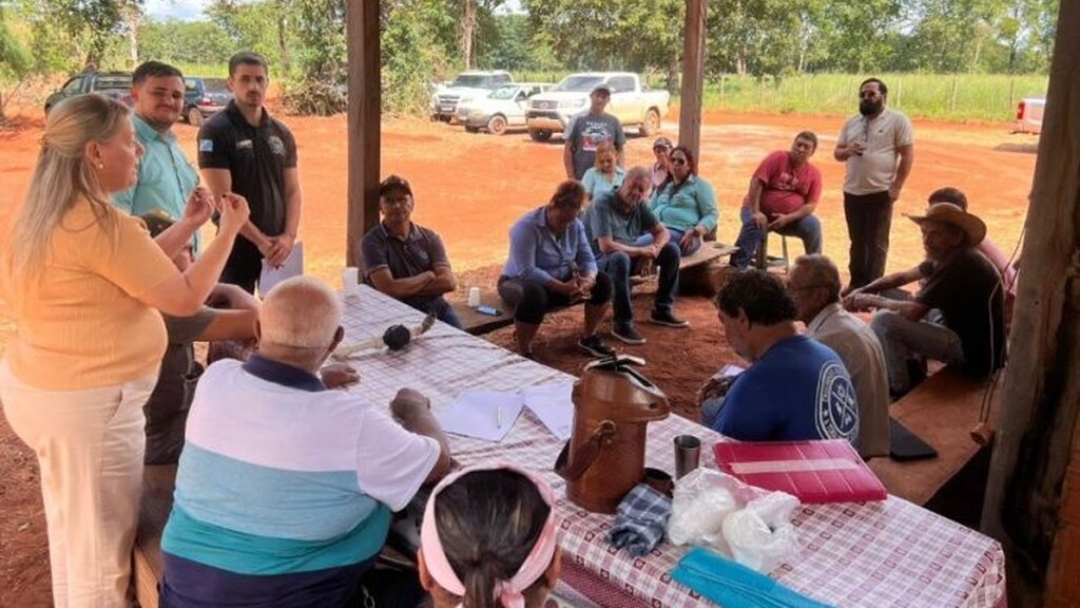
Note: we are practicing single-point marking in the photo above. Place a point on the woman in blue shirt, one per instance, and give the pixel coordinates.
(552, 265)
(607, 175)
(686, 205)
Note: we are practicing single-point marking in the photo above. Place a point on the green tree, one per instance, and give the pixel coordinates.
(15, 62)
(252, 26)
(198, 42)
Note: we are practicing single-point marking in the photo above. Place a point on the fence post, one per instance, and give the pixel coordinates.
(955, 87)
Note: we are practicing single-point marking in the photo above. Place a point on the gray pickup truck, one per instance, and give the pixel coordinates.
(113, 84)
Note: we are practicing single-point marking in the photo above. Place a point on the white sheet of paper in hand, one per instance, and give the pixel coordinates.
(477, 414)
(551, 403)
(293, 267)
(729, 370)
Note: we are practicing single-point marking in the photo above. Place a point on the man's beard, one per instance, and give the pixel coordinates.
(870, 108)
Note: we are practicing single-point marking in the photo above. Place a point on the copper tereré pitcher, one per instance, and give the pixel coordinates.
(605, 457)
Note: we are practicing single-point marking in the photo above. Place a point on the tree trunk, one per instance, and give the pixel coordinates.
(283, 41)
(468, 31)
(673, 72)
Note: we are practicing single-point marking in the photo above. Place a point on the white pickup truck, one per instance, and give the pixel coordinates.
(631, 102)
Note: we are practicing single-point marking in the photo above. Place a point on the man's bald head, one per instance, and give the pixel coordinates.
(300, 313)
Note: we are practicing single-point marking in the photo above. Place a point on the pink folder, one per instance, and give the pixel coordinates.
(813, 471)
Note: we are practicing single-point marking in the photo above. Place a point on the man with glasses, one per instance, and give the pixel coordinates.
(878, 147)
(586, 131)
(814, 286)
(406, 261)
(626, 236)
(784, 192)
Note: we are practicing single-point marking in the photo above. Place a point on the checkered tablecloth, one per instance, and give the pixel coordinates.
(880, 554)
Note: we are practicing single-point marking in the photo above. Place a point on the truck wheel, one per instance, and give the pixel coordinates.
(540, 135)
(651, 124)
(497, 125)
(194, 117)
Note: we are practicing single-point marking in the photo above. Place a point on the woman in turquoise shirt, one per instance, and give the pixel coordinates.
(607, 175)
(687, 204)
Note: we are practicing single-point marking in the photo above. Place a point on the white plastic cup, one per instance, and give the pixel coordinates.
(474, 297)
(350, 281)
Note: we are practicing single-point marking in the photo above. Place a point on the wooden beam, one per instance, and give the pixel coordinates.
(1041, 400)
(365, 105)
(693, 76)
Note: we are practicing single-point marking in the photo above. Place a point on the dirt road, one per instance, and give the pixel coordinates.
(470, 188)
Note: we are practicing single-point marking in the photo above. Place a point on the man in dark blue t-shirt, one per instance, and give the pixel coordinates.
(795, 388)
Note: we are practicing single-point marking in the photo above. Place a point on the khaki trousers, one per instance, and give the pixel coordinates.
(89, 445)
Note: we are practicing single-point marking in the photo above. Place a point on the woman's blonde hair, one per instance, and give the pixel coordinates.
(605, 147)
(63, 175)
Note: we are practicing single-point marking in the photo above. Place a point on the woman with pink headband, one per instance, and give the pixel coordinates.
(489, 539)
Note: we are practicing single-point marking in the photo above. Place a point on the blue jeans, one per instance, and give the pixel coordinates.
(442, 310)
(619, 265)
(751, 237)
(676, 236)
(902, 340)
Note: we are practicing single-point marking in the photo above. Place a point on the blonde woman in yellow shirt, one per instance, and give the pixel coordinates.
(86, 282)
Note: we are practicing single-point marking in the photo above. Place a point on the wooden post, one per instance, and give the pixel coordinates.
(693, 76)
(1041, 400)
(365, 104)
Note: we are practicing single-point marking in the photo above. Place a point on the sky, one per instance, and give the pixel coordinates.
(187, 10)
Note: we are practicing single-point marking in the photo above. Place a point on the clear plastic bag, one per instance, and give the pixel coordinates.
(748, 524)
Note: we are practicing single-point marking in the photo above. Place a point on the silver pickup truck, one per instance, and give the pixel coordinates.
(631, 102)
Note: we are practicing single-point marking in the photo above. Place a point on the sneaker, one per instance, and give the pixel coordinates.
(593, 345)
(668, 319)
(627, 334)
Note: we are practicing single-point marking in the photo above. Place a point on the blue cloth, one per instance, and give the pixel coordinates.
(808, 229)
(798, 390)
(596, 183)
(686, 205)
(730, 584)
(540, 256)
(641, 520)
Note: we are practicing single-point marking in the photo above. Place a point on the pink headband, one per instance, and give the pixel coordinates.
(508, 592)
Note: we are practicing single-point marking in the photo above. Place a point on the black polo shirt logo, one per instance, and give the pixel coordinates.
(276, 145)
(245, 144)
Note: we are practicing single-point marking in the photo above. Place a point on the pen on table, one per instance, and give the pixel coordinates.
(498, 416)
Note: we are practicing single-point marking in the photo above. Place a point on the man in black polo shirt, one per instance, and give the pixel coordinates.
(962, 290)
(243, 150)
(406, 261)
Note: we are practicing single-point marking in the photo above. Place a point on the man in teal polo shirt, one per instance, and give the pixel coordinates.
(167, 179)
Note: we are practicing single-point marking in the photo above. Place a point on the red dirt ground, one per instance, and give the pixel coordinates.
(470, 188)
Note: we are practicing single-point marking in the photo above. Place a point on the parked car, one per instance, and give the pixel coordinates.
(204, 97)
(113, 84)
(1029, 114)
(501, 111)
(468, 84)
(631, 102)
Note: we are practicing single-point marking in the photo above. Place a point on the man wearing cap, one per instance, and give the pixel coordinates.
(784, 192)
(661, 169)
(877, 147)
(406, 261)
(585, 132)
(167, 179)
(960, 283)
(243, 149)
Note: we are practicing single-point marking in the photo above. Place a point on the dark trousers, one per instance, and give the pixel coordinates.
(531, 300)
(243, 266)
(618, 266)
(869, 217)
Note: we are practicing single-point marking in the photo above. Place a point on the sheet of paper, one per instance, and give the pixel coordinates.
(293, 267)
(729, 371)
(551, 403)
(487, 415)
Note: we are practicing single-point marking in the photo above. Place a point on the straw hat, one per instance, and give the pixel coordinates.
(948, 213)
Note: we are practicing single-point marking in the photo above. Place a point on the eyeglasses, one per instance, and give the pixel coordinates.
(678, 161)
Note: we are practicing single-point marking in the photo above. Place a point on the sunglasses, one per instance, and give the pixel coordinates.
(678, 161)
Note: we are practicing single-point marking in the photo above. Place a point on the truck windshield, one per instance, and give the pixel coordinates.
(504, 92)
(473, 81)
(579, 84)
(113, 82)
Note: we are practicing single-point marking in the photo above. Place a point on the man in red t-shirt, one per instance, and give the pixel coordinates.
(783, 194)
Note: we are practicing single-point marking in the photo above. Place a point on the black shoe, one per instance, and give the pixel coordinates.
(668, 319)
(627, 334)
(593, 345)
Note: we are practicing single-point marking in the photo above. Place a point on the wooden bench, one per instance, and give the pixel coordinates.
(477, 323)
(157, 500)
(942, 411)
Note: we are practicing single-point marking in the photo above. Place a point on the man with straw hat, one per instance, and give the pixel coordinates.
(957, 316)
